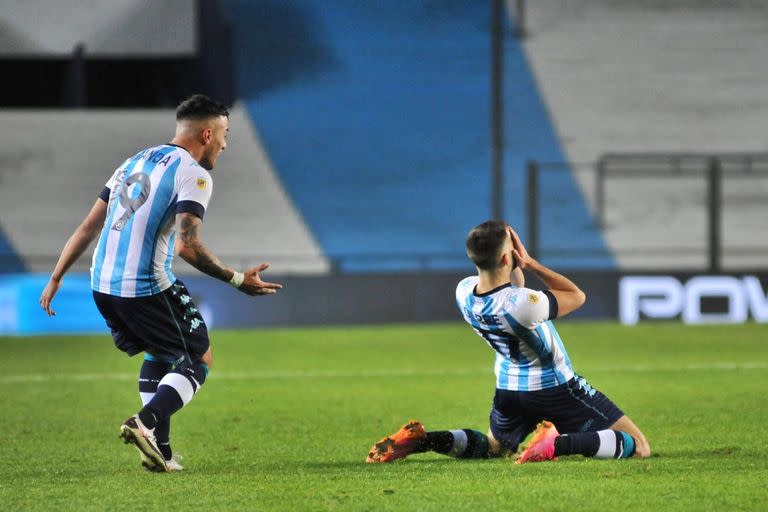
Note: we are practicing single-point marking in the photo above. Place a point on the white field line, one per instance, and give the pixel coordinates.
(420, 372)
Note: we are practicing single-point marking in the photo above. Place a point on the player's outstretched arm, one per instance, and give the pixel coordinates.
(192, 250)
(85, 233)
(569, 296)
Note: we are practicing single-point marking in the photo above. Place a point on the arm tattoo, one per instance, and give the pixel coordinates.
(196, 253)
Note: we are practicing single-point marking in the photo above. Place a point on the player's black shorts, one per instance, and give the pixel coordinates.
(573, 407)
(166, 325)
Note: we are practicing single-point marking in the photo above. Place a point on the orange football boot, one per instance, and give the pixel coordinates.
(542, 445)
(400, 444)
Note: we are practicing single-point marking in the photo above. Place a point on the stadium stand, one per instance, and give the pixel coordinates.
(56, 162)
(117, 54)
(128, 54)
(374, 122)
(10, 261)
(671, 76)
(135, 28)
(376, 118)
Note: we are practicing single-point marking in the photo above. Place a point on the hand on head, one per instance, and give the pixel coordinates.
(522, 258)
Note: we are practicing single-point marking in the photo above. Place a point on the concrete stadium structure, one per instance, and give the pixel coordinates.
(602, 76)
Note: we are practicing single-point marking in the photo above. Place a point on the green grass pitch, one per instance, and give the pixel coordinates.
(287, 416)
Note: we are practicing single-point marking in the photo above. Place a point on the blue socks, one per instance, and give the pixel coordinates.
(152, 371)
(175, 390)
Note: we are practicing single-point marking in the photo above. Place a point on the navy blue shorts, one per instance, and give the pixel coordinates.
(166, 325)
(573, 407)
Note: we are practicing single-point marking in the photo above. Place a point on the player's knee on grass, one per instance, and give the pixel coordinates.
(495, 448)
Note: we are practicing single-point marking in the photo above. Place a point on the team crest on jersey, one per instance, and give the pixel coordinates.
(201, 183)
(533, 298)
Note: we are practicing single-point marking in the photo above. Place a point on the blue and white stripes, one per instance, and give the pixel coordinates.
(135, 250)
(513, 321)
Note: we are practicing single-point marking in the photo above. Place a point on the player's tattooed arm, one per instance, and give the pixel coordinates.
(192, 250)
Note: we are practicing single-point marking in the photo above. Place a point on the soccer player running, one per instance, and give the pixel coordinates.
(155, 202)
(535, 382)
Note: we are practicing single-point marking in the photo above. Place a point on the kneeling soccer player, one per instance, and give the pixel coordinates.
(535, 382)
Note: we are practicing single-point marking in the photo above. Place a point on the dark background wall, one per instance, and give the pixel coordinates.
(87, 79)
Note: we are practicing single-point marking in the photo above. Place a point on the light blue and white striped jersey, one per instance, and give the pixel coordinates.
(515, 323)
(135, 250)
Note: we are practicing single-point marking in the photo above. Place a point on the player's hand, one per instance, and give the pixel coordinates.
(46, 298)
(253, 285)
(519, 252)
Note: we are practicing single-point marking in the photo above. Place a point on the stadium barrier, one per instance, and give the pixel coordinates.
(659, 210)
(396, 298)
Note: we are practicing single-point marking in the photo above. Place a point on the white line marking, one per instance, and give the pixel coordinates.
(417, 372)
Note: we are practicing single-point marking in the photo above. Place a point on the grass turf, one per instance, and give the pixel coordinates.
(287, 417)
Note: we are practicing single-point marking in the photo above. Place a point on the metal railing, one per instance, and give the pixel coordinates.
(715, 169)
(642, 166)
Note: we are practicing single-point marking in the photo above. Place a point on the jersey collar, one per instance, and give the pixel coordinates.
(177, 146)
(485, 294)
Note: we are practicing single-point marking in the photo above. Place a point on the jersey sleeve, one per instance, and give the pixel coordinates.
(463, 289)
(195, 187)
(107, 190)
(534, 307)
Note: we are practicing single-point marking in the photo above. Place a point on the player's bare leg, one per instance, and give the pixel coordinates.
(624, 424)
(207, 358)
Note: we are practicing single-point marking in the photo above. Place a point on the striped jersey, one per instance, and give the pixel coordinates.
(135, 250)
(515, 322)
